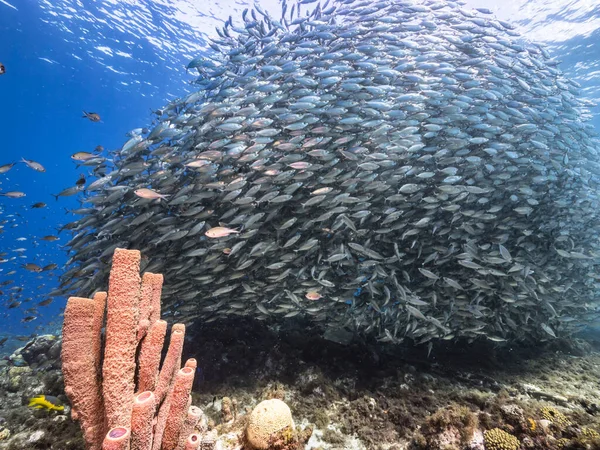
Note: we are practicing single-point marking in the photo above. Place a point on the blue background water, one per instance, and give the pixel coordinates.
(123, 59)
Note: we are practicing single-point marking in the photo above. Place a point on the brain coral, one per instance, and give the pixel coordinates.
(496, 439)
(266, 419)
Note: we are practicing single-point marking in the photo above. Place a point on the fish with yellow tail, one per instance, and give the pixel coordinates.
(47, 402)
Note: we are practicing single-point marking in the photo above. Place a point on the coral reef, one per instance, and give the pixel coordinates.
(360, 396)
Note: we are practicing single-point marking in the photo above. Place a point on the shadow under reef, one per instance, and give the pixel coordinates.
(396, 397)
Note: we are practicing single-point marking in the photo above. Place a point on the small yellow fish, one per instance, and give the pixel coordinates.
(47, 402)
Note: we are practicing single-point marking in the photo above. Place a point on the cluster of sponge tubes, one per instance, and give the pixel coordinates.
(117, 392)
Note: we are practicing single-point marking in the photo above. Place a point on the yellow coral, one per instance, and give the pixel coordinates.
(588, 433)
(555, 416)
(497, 439)
(532, 424)
(562, 442)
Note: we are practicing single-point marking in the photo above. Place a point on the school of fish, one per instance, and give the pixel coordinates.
(395, 169)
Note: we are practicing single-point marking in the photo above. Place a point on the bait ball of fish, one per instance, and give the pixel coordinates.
(426, 171)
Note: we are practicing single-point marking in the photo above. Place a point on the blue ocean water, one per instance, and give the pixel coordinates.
(122, 60)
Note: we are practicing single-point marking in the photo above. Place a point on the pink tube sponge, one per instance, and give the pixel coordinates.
(179, 405)
(117, 439)
(157, 282)
(97, 324)
(191, 363)
(194, 415)
(149, 302)
(193, 442)
(149, 357)
(144, 407)
(79, 369)
(122, 319)
(171, 363)
(103, 397)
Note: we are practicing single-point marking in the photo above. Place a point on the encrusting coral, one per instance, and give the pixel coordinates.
(100, 380)
(497, 439)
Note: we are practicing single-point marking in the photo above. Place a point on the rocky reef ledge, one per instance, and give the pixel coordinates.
(355, 396)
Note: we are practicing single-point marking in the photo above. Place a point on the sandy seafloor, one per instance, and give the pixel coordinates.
(355, 396)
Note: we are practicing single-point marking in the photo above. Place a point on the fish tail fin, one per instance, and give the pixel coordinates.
(55, 196)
